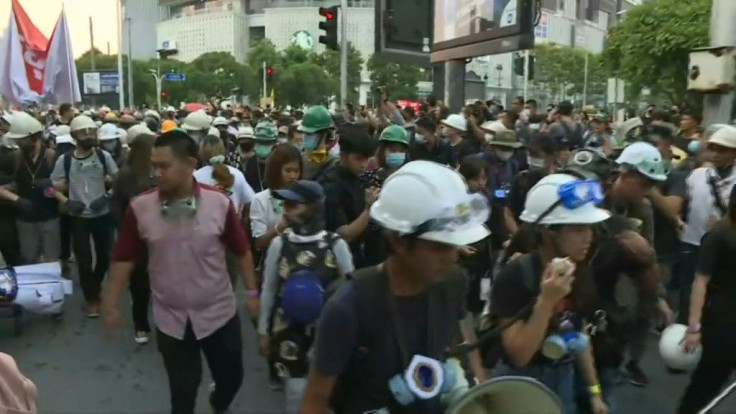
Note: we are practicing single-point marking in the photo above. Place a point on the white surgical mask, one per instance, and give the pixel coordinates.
(335, 151)
(504, 155)
(535, 162)
(419, 138)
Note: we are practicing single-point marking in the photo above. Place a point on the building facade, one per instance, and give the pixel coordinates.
(140, 18)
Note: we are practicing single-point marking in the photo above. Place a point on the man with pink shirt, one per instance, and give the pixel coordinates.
(185, 228)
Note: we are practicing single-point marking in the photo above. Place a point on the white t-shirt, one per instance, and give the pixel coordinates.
(701, 203)
(240, 193)
(265, 213)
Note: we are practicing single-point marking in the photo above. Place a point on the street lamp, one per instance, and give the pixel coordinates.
(156, 73)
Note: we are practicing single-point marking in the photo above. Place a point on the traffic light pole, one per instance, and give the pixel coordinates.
(526, 74)
(265, 93)
(344, 54)
(717, 107)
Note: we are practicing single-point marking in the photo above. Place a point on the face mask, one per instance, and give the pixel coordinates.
(87, 144)
(246, 146)
(419, 138)
(317, 156)
(109, 146)
(310, 142)
(24, 143)
(395, 159)
(693, 147)
(335, 151)
(262, 151)
(282, 140)
(535, 162)
(504, 155)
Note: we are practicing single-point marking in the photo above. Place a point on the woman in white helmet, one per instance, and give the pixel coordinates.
(109, 137)
(399, 317)
(543, 297)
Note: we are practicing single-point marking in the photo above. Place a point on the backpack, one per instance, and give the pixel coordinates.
(307, 277)
(68, 162)
(573, 138)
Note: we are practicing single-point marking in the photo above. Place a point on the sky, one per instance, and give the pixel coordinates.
(44, 14)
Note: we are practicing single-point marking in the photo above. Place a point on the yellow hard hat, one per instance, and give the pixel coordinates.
(168, 125)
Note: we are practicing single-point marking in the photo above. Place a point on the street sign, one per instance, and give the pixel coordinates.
(175, 77)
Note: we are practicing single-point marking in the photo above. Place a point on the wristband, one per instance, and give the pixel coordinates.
(252, 293)
(595, 389)
(693, 328)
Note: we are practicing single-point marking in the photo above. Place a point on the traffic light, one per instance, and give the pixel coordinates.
(269, 72)
(164, 94)
(329, 26)
(519, 65)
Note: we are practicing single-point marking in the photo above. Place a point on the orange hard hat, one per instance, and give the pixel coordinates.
(168, 125)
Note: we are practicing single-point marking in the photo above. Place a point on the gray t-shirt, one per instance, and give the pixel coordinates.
(87, 179)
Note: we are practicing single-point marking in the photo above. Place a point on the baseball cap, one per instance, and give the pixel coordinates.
(302, 191)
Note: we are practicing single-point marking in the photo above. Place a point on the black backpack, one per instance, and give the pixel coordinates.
(68, 162)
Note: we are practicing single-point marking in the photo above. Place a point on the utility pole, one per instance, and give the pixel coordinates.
(131, 102)
(265, 90)
(92, 43)
(585, 80)
(526, 74)
(121, 86)
(344, 54)
(717, 107)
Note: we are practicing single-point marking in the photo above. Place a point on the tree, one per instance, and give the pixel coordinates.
(400, 80)
(304, 84)
(650, 47)
(560, 71)
(330, 61)
(263, 50)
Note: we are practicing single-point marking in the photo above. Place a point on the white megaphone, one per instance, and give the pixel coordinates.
(508, 395)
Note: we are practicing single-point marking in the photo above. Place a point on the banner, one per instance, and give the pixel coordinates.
(60, 82)
(23, 59)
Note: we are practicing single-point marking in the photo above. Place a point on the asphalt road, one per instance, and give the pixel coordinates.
(78, 370)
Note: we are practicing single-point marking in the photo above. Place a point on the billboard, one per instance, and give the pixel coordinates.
(100, 83)
(469, 28)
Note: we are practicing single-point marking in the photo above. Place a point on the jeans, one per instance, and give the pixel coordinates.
(689, 255)
(65, 232)
(100, 228)
(39, 239)
(140, 294)
(716, 365)
(607, 377)
(559, 378)
(224, 352)
(294, 391)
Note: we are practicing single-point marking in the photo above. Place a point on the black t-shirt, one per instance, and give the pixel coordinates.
(440, 153)
(344, 203)
(28, 170)
(717, 259)
(520, 186)
(339, 336)
(465, 147)
(666, 239)
(255, 174)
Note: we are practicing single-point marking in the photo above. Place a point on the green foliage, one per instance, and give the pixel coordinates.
(555, 66)
(400, 80)
(649, 48)
(305, 84)
(330, 61)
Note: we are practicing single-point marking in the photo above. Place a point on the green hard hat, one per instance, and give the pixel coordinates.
(316, 119)
(265, 131)
(394, 133)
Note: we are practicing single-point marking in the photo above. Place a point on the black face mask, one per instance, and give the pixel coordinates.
(247, 146)
(87, 144)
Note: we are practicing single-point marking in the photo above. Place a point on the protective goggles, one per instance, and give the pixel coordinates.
(575, 194)
(472, 211)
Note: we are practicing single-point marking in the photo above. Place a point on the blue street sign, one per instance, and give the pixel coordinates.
(175, 77)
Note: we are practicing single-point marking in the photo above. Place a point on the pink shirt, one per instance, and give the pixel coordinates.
(186, 261)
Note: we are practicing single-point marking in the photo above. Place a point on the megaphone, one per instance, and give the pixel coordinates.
(508, 395)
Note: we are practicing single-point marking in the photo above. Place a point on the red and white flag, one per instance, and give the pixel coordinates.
(60, 83)
(22, 59)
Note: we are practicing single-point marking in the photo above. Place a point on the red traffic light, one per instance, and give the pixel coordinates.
(329, 15)
(269, 71)
(164, 94)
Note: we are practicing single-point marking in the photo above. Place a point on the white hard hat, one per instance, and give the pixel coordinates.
(137, 130)
(108, 132)
(170, 109)
(245, 132)
(23, 125)
(431, 201)
(82, 122)
(7, 143)
(196, 121)
(61, 130)
(8, 118)
(123, 136)
(493, 126)
(219, 121)
(549, 191)
(646, 159)
(725, 137)
(214, 132)
(152, 114)
(673, 352)
(65, 139)
(456, 121)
